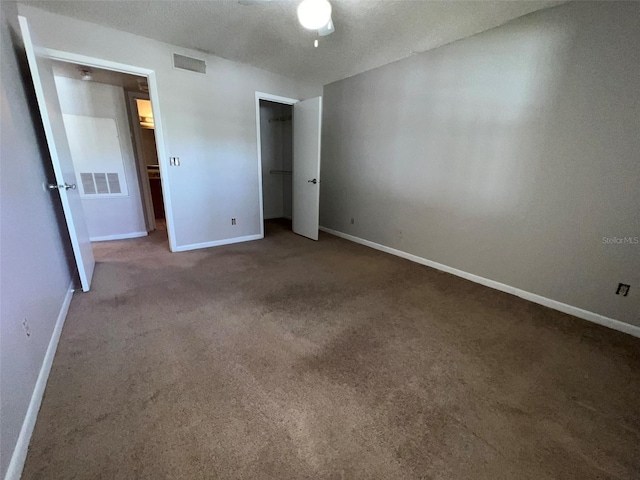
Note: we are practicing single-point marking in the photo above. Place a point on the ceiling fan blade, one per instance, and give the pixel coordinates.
(328, 29)
(249, 3)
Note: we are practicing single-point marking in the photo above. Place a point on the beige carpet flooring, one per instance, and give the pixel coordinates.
(290, 359)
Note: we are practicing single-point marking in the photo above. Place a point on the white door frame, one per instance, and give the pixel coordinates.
(157, 118)
(270, 98)
(141, 166)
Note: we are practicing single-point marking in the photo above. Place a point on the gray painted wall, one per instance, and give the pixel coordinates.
(509, 155)
(34, 272)
(106, 216)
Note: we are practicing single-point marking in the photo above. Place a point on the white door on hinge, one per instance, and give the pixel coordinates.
(52, 120)
(307, 128)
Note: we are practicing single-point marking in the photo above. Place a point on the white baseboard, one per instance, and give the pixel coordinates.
(22, 445)
(217, 243)
(120, 236)
(532, 297)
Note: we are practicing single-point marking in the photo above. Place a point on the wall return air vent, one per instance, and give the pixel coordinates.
(187, 63)
(100, 184)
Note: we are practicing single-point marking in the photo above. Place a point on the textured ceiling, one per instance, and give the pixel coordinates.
(267, 34)
(69, 70)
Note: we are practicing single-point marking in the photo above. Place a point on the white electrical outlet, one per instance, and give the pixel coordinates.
(623, 289)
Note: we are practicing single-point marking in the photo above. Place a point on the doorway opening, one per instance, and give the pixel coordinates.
(276, 148)
(144, 140)
(109, 124)
(107, 182)
(303, 137)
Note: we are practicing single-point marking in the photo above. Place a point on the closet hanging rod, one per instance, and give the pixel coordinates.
(280, 172)
(280, 119)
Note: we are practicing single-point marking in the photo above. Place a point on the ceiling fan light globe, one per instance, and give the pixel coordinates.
(314, 14)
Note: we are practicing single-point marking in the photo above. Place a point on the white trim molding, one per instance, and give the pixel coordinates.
(22, 445)
(532, 297)
(120, 236)
(218, 243)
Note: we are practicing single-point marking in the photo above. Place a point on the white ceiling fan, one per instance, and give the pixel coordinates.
(312, 14)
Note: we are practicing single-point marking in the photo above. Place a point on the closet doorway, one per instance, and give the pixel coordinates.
(276, 148)
(289, 134)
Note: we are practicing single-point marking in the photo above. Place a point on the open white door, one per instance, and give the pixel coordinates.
(307, 128)
(49, 106)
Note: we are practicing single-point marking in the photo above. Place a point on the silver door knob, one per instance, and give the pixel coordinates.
(66, 186)
(314, 181)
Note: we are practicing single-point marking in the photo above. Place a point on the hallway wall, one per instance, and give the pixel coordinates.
(117, 216)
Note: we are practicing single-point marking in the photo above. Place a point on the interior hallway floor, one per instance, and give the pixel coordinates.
(291, 359)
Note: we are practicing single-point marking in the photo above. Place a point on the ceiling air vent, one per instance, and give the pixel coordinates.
(188, 63)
